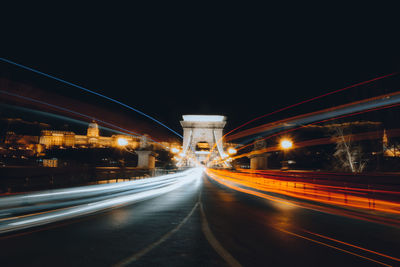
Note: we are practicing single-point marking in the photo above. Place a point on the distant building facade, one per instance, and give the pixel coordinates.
(53, 138)
(48, 139)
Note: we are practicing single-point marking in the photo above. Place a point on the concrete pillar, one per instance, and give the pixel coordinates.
(146, 159)
(258, 161)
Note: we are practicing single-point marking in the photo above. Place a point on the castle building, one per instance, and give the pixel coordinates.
(35, 145)
(52, 138)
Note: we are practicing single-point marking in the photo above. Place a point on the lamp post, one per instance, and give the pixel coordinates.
(232, 151)
(285, 144)
(175, 150)
(122, 142)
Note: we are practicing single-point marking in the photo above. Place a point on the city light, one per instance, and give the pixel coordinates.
(174, 150)
(286, 144)
(231, 151)
(122, 141)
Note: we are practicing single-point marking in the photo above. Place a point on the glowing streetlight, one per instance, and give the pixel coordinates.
(286, 144)
(231, 151)
(224, 156)
(122, 141)
(175, 150)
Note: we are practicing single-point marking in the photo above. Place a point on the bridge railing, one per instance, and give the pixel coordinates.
(347, 191)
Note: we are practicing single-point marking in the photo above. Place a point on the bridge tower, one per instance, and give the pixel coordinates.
(146, 155)
(200, 134)
(258, 158)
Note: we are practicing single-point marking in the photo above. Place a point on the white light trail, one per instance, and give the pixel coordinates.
(155, 190)
(82, 191)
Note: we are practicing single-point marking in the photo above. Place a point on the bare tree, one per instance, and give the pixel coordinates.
(348, 153)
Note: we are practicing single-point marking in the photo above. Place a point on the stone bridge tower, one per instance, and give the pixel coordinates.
(201, 133)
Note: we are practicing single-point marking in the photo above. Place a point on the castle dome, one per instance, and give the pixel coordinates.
(93, 129)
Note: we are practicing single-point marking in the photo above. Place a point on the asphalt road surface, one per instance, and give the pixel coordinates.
(205, 224)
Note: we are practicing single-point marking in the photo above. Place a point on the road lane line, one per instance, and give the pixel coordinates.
(291, 233)
(216, 245)
(144, 251)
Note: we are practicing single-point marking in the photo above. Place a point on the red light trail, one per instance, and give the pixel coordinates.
(257, 129)
(311, 99)
(300, 103)
(280, 123)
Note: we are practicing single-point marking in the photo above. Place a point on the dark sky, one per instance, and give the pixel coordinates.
(216, 60)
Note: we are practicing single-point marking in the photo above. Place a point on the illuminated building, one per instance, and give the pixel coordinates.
(68, 139)
(52, 138)
(93, 130)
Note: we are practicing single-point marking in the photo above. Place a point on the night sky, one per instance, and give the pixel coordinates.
(241, 65)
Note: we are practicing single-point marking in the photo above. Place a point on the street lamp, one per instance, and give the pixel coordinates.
(175, 150)
(285, 144)
(232, 151)
(122, 141)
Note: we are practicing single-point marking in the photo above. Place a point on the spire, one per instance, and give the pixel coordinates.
(384, 139)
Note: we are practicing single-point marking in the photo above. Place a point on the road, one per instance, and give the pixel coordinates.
(205, 223)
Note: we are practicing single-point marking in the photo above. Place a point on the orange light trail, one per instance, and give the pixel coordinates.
(324, 240)
(326, 180)
(318, 122)
(345, 197)
(303, 126)
(322, 141)
(300, 103)
(269, 126)
(311, 99)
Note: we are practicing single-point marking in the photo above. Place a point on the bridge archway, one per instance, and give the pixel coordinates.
(200, 134)
(202, 146)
